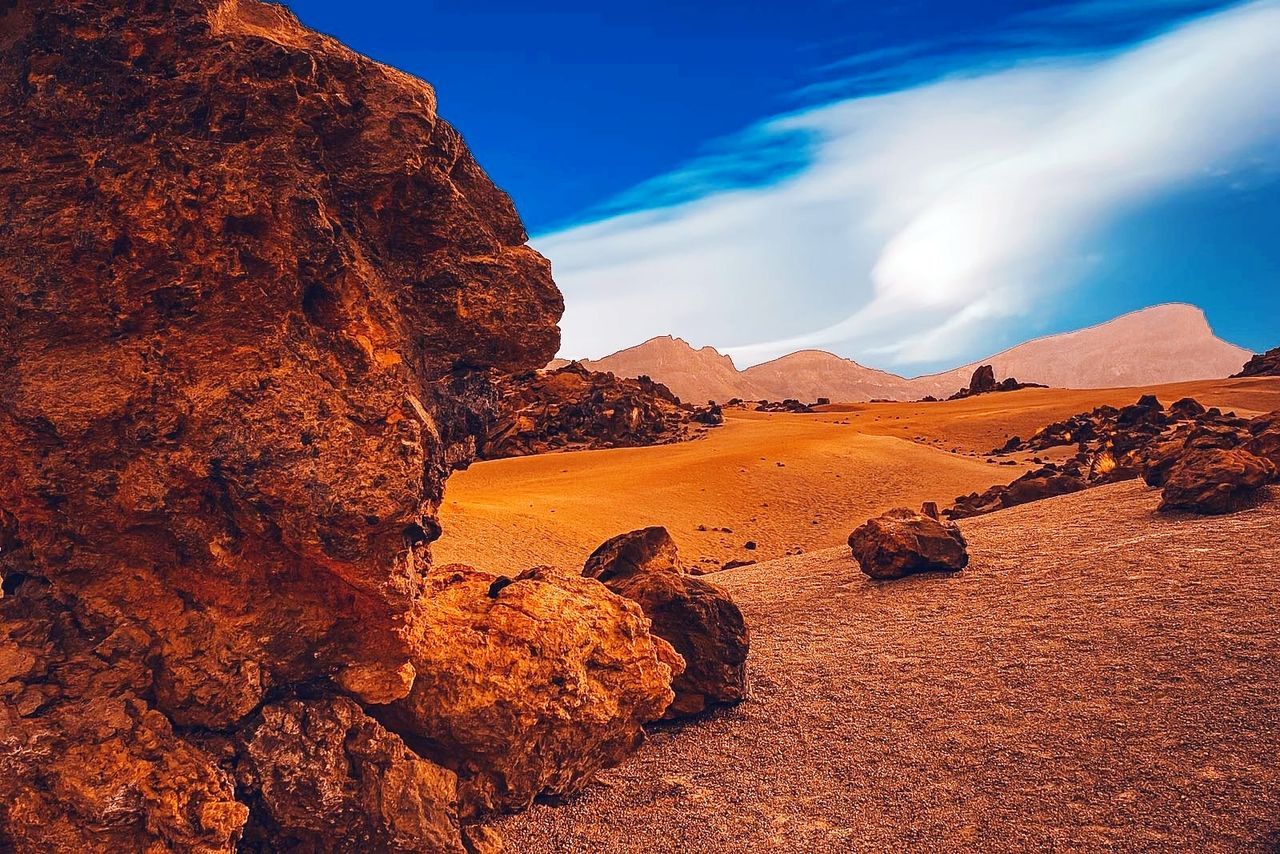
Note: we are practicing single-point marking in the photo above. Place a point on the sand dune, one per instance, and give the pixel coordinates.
(837, 468)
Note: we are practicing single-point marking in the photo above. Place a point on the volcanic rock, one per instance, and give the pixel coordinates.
(646, 550)
(1262, 365)
(902, 542)
(573, 408)
(1264, 438)
(531, 691)
(377, 795)
(1045, 482)
(705, 627)
(788, 405)
(256, 302)
(1215, 481)
(696, 617)
(984, 382)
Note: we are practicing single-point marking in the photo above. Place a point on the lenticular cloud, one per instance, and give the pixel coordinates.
(923, 216)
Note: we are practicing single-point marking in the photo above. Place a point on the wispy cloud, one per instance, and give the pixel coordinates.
(901, 227)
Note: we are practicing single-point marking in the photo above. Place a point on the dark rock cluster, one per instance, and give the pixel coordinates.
(1262, 365)
(788, 405)
(573, 408)
(984, 382)
(1144, 440)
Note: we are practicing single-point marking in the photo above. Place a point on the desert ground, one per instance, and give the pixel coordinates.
(1101, 677)
(788, 483)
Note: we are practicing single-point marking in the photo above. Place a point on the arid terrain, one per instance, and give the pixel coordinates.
(1099, 678)
(785, 482)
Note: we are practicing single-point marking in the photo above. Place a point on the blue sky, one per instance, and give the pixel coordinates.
(910, 184)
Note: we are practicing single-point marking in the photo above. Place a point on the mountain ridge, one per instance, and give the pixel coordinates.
(1167, 342)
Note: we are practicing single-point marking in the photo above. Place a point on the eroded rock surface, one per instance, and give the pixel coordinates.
(527, 686)
(903, 542)
(256, 300)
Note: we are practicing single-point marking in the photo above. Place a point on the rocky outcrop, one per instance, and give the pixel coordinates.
(788, 405)
(697, 618)
(1262, 365)
(984, 382)
(1044, 482)
(903, 542)
(573, 408)
(1215, 481)
(255, 301)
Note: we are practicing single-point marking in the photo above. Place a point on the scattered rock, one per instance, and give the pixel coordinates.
(734, 564)
(902, 542)
(749, 545)
(1215, 481)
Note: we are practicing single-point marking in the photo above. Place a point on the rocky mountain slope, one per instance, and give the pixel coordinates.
(1162, 344)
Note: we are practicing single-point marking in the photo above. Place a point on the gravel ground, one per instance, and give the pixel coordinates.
(1100, 678)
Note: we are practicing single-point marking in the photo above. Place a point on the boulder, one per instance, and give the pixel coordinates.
(705, 627)
(983, 380)
(902, 542)
(1187, 407)
(331, 778)
(645, 550)
(698, 618)
(1215, 481)
(527, 688)
(1262, 365)
(1264, 437)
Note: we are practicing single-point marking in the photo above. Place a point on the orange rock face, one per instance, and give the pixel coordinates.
(255, 296)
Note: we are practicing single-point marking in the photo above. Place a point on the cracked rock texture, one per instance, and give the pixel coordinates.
(255, 298)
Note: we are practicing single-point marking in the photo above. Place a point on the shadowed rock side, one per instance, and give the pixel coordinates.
(254, 294)
(572, 408)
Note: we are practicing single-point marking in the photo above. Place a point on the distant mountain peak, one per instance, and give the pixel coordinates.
(1170, 342)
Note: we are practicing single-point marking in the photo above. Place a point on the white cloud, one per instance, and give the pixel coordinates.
(923, 217)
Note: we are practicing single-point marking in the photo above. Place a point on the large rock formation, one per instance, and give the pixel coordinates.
(572, 408)
(254, 296)
(984, 381)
